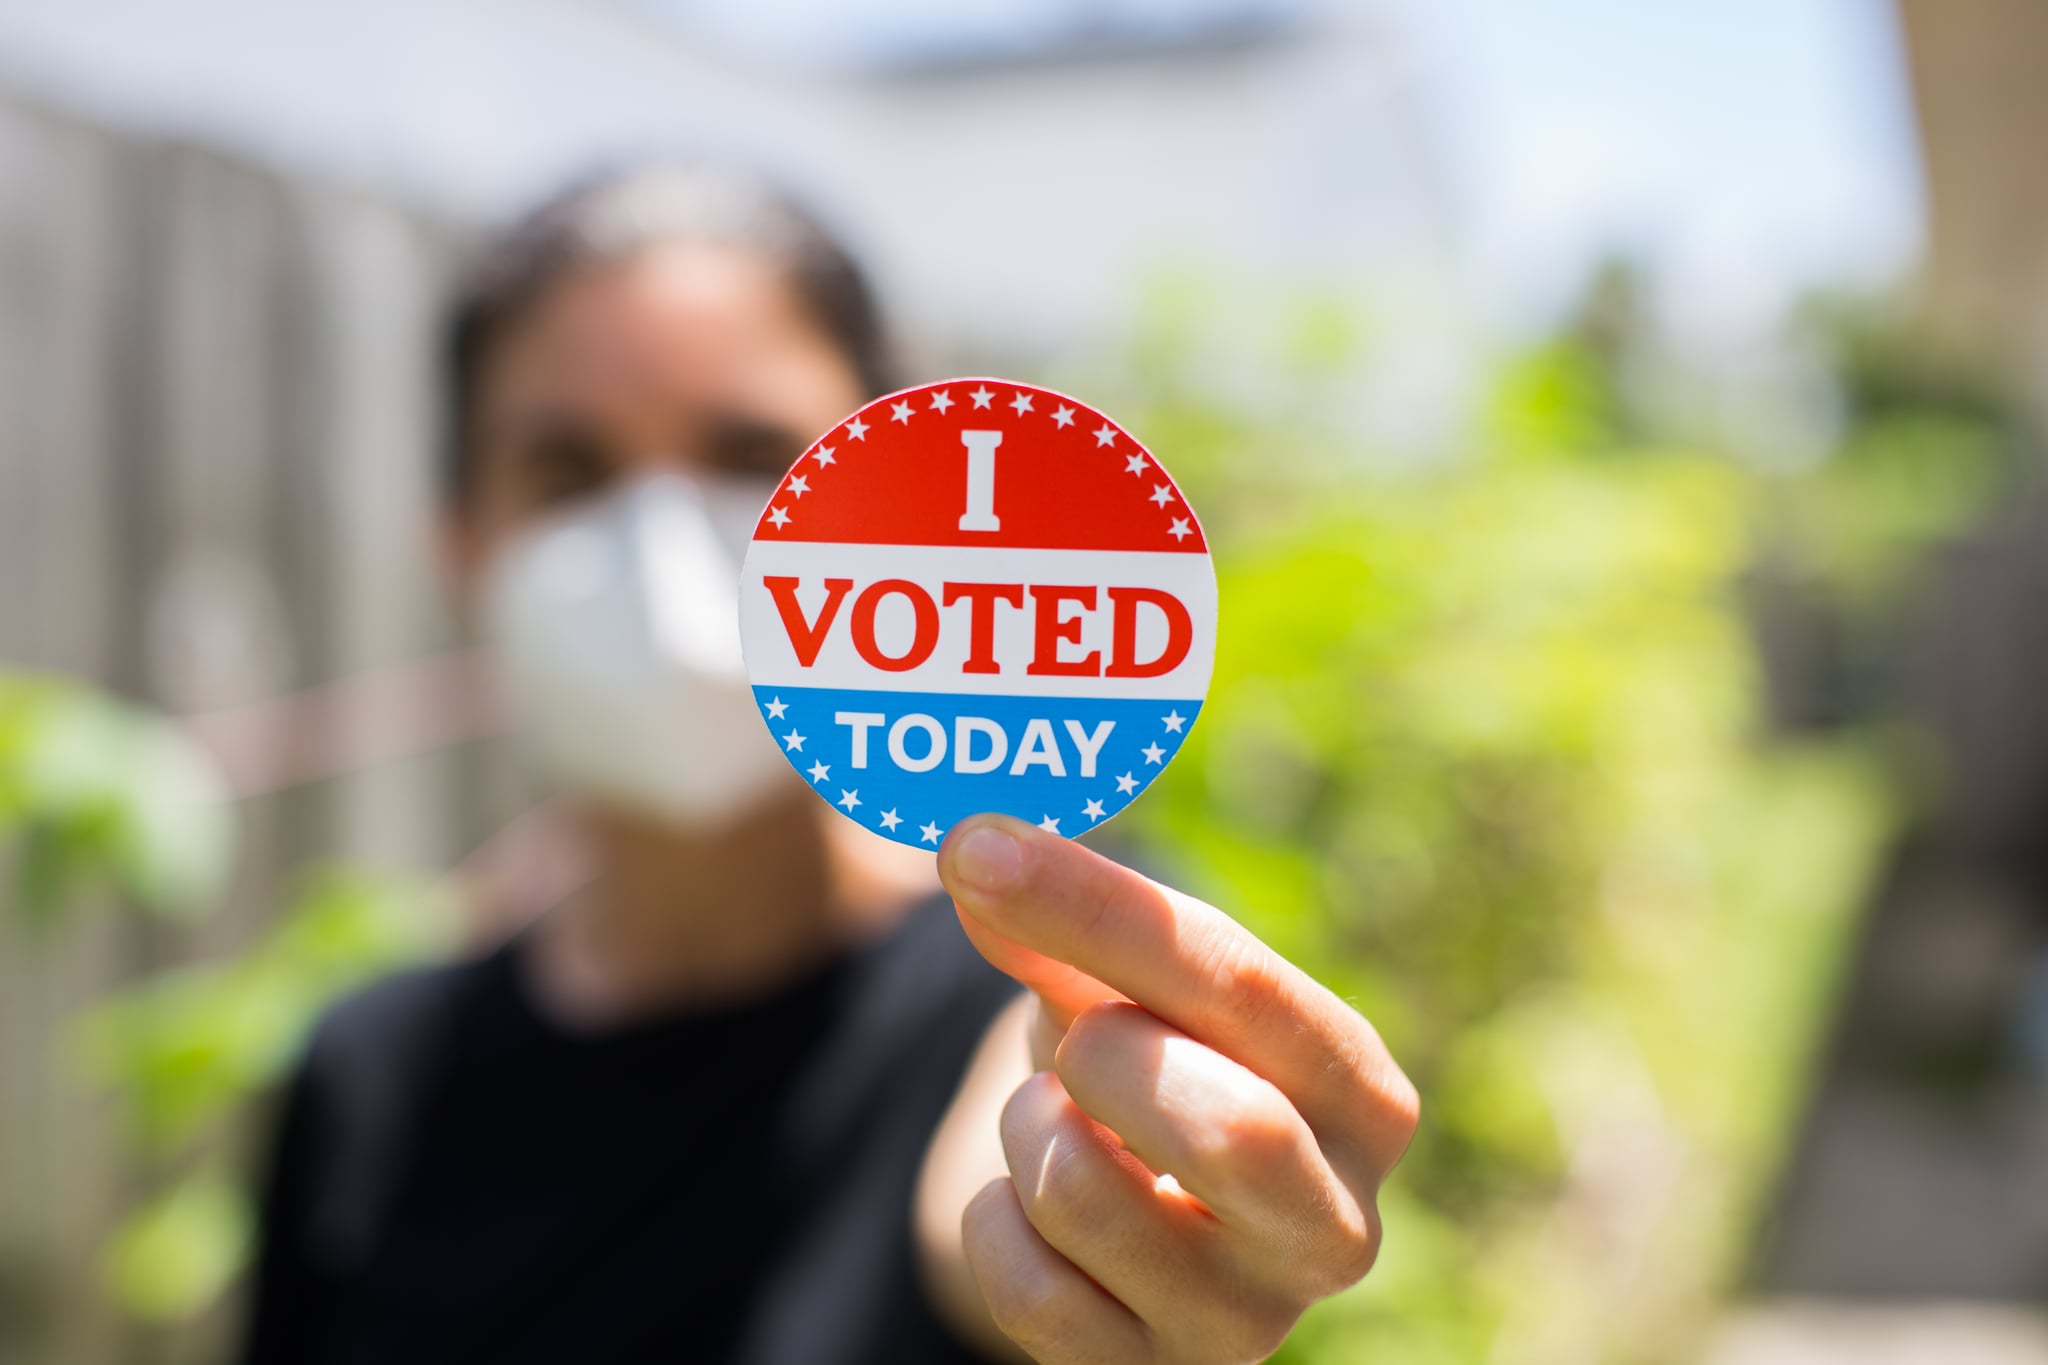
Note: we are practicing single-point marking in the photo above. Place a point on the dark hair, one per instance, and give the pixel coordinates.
(617, 214)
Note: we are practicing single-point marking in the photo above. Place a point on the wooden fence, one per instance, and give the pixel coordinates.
(215, 423)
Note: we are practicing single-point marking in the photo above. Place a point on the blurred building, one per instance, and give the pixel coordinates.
(1981, 105)
(1009, 186)
(1923, 1173)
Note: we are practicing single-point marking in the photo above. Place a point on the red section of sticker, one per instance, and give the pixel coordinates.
(941, 465)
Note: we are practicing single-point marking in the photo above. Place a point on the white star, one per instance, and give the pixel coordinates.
(1161, 495)
(1093, 810)
(1174, 720)
(848, 799)
(901, 412)
(799, 485)
(1022, 402)
(928, 832)
(857, 430)
(1049, 825)
(819, 772)
(776, 706)
(1106, 436)
(1134, 463)
(1179, 530)
(792, 742)
(1064, 416)
(823, 455)
(981, 396)
(941, 401)
(1126, 784)
(1153, 753)
(890, 819)
(778, 517)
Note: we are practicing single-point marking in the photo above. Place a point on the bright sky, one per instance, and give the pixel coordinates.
(1747, 147)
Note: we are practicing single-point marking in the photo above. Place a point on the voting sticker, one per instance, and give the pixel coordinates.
(978, 596)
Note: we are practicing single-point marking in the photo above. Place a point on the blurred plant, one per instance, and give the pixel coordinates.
(1927, 445)
(98, 799)
(186, 1052)
(1484, 751)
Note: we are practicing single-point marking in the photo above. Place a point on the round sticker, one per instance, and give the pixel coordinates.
(978, 596)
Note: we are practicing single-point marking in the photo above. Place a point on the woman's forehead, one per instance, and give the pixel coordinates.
(680, 322)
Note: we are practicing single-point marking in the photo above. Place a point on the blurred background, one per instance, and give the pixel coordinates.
(1616, 426)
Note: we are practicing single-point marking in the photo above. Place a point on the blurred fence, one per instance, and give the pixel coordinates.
(214, 488)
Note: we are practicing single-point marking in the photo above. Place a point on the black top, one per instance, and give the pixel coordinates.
(457, 1179)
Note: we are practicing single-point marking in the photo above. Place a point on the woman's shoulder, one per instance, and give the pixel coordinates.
(374, 1029)
(350, 1107)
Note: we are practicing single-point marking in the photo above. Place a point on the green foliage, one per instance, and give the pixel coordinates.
(100, 799)
(1927, 447)
(183, 1050)
(182, 1250)
(186, 1052)
(1483, 752)
(97, 796)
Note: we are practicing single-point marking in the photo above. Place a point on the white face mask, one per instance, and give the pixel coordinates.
(616, 634)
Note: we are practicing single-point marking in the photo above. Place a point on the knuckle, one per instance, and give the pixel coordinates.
(1029, 1112)
(1066, 1192)
(1382, 1110)
(1261, 1331)
(981, 1219)
(1350, 1248)
(1093, 1026)
(1249, 1326)
(1036, 1310)
(1269, 1332)
(1244, 982)
(1097, 901)
(1389, 1114)
(1026, 1298)
(1361, 1252)
(1403, 1104)
(1327, 1250)
(1249, 1143)
(1096, 1037)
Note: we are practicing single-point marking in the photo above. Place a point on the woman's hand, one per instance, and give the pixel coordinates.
(1168, 1041)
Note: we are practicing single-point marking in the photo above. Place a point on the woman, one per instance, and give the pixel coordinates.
(751, 1095)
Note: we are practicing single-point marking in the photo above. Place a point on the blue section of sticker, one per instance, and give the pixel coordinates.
(910, 765)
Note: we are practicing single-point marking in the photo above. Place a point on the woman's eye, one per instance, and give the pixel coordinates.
(743, 446)
(563, 467)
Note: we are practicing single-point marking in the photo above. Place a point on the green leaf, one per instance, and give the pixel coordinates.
(179, 1252)
(102, 797)
(185, 1049)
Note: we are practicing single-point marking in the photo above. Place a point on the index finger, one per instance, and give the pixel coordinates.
(1188, 963)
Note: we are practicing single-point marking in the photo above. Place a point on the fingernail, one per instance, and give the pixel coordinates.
(988, 859)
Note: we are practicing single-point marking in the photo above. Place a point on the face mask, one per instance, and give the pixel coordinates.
(616, 634)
